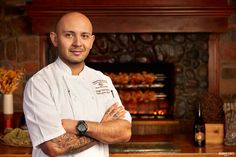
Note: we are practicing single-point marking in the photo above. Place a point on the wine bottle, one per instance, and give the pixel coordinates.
(199, 128)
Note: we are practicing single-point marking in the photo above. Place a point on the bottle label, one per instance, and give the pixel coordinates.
(199, 136)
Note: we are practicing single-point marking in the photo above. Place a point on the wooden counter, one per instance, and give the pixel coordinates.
(10, 151)
(183, 142)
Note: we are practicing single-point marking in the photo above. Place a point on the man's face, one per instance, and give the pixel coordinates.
(73, 38)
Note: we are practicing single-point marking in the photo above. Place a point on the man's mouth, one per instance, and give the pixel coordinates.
(76, 52)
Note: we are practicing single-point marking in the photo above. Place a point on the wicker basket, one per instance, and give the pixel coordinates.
(230, 123)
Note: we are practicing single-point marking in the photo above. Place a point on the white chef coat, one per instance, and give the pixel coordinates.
(54, 93)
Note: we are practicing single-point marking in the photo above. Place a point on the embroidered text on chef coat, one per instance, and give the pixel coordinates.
(101, 87)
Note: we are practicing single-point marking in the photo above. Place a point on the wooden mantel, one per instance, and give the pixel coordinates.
(135, 15)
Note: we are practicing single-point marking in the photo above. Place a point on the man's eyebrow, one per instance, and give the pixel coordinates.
(86, 33)
(68, 32)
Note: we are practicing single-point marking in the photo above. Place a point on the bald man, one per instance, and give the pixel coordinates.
(70, 108)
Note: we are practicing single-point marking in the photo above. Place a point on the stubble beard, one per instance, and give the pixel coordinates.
(71, 59)
(77, 61)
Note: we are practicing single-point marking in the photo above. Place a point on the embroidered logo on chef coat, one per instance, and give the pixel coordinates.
(101, 87)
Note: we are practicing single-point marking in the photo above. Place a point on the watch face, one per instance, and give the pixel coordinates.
(82, 127)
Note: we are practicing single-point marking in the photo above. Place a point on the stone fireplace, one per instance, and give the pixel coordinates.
(188, 52)
(185, 34)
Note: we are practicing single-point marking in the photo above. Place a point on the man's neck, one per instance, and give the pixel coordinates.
(76, 69)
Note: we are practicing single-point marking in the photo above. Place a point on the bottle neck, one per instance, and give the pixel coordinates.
(199, 112)
(199, 116)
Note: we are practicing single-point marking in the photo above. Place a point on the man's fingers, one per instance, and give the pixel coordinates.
(114, 112)
(119, 115)
(112, 107)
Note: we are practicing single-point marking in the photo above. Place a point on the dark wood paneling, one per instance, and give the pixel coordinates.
(214, 64)
(136, 15)
(128, 3)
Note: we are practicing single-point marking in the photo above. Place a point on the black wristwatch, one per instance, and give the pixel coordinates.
(81, 127)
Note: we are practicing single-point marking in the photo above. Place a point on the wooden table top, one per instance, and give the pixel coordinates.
(184, 143)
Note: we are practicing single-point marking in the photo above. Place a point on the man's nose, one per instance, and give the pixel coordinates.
(77, 41)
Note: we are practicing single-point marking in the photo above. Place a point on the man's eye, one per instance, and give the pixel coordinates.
(84, 36)
(68, 35)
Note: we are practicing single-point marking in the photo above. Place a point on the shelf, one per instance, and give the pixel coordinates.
(130, 86)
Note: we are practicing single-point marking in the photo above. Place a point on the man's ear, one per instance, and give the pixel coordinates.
(92, 41)
(53, 37)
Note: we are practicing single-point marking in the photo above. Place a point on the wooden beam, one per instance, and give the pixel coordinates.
(135, 15)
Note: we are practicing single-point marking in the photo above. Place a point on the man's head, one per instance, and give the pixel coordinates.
(73, 38)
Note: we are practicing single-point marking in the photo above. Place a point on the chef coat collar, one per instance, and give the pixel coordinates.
(66, 69)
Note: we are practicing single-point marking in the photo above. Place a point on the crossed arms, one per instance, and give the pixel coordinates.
(111, 129)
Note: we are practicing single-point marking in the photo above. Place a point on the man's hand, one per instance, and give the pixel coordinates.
(113, 113)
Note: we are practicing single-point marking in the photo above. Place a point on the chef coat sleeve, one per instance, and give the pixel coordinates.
(42, 118)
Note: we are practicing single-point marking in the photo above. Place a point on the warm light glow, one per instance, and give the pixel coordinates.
(161, 112)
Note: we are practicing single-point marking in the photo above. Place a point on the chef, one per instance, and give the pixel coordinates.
(70, 108)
